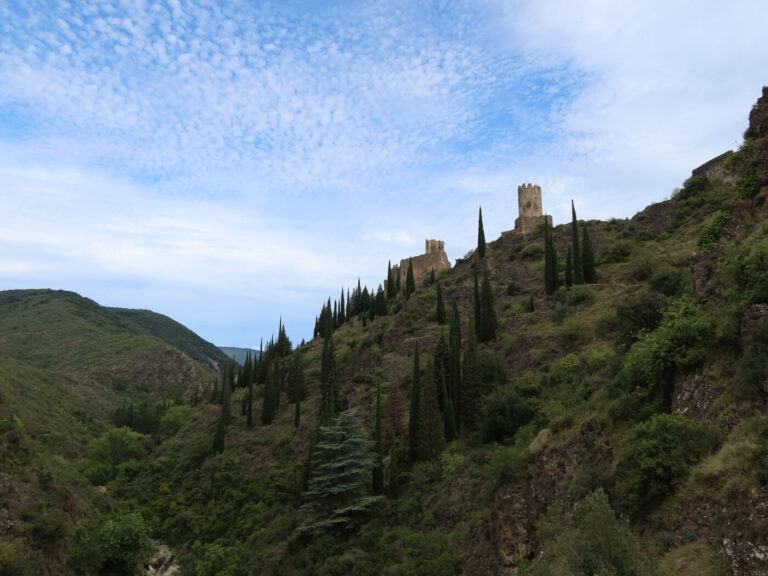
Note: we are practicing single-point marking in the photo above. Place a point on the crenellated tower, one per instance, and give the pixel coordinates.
(529, 207)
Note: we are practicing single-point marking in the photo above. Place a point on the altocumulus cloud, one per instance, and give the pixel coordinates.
(224, 163)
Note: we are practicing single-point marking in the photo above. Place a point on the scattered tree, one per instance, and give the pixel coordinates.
(480, 235)
(578, 270)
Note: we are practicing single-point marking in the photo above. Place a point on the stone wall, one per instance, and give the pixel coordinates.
(434, 258)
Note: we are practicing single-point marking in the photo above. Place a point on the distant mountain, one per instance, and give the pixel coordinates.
(238, 353)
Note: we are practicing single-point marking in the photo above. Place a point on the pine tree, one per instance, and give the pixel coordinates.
(480, 235)
(431, 430)
(588, 259)
(378, 448)
(471, 385)
(410, 282)
(440, 306)
(487, 310)
(340, 474)
(569, 269)
(413, 414)
(578, 270)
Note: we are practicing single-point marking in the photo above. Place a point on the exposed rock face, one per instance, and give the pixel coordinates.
(434, 258)
(758, 130)
(758, 117)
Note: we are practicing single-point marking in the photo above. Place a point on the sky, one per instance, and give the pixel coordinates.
(232, 163)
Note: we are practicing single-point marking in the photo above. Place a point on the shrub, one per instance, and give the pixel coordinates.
(106, 453)
(669, 281)
(693, 186)
(619, 251)
(514, 288)
(123, 544)
(761, 454)
(502, 414)
(658, 455)
(580, 294)
(711, 234)
(753, 365)
(591, 541)
(174, 419)
(533, 252)
(637, 312)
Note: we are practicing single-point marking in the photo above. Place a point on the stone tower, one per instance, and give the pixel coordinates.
(529, 206)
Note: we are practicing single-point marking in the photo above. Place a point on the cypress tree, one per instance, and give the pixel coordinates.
(480, 235)
(218, 439)
(268, 407)
(471, 384)
(297, 388)
(550, 262)
(431, 430)
(378, 464)
(569, 269)
(413, 415)
(588, 259)
(454, 365)
(394, 471)
(390, 282)
(440, 306)
(342, 312)
(410, 282)
(328, 381)
(226, 395)
(398, 283)
(380, 302)
(249, 407)
(531, 307)
(487, 310)
(431, 276)
(578, 270)
(477, 301)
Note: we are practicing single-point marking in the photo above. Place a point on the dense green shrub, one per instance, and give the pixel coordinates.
(124, 544)
(657, 458)
(710, 236)
(669, 281)
(693, 186)
(580, 294)
(681, 341)
(533, 252)
(745, 273)
(502, 414)
(115, 447)
(591, 541)
(514, 288)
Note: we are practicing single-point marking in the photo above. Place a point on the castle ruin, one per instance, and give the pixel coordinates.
(434, 258)
(529, 207)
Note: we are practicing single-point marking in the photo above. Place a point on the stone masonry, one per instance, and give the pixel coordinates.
(434, 258)
(529, 206)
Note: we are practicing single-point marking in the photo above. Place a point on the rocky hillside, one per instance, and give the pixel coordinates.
(616, 427)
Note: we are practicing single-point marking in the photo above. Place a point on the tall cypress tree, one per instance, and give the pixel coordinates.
(471, 386)
(342, 312)
(431, 430)
(410, 282)
(578, 270)
(378, 464)
(588, 259)
(477, 299)
(328, 381)
(249, 396)
(480, 235)
(440, 306)
(454, 365)
(413, 415)
(487, 309)
(398, 282)
(569, 269)
(550, 262)
(390, 282)
(226, 396)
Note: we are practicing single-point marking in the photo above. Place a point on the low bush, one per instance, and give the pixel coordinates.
(658, 456)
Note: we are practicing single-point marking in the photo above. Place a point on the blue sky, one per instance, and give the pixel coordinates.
(229, 163)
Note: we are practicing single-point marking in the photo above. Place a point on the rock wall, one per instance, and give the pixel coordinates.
(434, 258)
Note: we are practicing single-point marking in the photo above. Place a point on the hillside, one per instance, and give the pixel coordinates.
(611, 427)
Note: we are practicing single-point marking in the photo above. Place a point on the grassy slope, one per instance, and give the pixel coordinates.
(451, 517)
(65, 364)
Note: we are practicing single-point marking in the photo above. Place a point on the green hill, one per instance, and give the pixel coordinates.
(616, 427)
